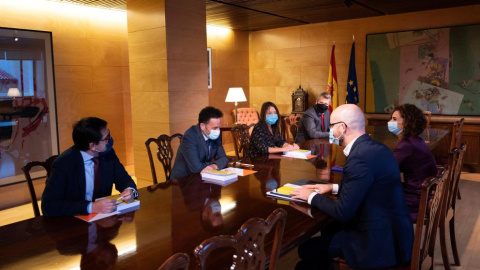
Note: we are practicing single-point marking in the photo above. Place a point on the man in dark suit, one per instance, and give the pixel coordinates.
(314, 123)
(85, 172)
(374, 229)
(201, 147)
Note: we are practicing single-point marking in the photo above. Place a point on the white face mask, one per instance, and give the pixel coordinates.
(216, 207)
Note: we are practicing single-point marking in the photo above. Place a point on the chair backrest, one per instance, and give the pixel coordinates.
(246, 116)
(241, 139)
(457, 133)
(429, 213)
(428, 116)
(178, 261)
(455, 163)
(47, 165)
(248, 243)
(291, 123)
(164, 153)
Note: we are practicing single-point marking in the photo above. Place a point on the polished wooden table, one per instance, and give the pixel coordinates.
(173, 217)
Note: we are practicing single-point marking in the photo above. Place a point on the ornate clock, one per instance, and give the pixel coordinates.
(299, 100)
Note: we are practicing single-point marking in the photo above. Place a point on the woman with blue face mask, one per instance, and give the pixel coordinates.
(266, 137)
(412, 154)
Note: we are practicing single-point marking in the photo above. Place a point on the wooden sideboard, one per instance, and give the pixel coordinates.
(470, 134)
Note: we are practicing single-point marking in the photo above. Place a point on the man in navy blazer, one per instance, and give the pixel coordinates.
(314, 122)
(201, 147)
(375, 228)
(71, 188)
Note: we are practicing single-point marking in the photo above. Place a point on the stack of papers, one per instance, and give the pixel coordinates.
(219, 177)
(238, 171)
(300, 153)
(283, 193)
(122, 208)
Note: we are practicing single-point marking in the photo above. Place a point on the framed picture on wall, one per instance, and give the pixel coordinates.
(28, 122)
(209, 68)
(436, 69)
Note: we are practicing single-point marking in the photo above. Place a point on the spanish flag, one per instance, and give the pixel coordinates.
(332, 87)
(352, 87)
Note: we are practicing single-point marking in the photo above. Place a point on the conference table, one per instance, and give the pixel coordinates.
(176, 216)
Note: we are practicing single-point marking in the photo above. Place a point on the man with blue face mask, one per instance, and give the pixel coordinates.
(85, 172)
(372, 227)
(201, 147)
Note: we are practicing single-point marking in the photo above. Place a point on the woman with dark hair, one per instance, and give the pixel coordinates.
(266, 137)
(412, 154)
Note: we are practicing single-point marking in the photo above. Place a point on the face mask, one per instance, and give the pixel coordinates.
(332, 138)
(108, 147)
(216, 207)
(393, 127)
(321, 108)
(214, 134)
(272, 118)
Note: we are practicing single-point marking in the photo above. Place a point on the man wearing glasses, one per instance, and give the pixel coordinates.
(372, 227)
(85, 172)
(314, 123)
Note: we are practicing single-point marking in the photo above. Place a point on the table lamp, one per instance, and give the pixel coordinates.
(13, 92)
(235, 94)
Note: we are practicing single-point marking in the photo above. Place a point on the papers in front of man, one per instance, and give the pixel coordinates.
(299, 153)
(238, 171)
(283, 193)
(122, 207)
(219, 177)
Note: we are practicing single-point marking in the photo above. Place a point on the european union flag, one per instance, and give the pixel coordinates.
(352, 87)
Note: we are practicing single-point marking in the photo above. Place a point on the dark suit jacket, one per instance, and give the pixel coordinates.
(377, 230)
(311, 126)
(64, 193)
(192, 155)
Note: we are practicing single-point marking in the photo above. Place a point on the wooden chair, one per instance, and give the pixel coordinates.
(178, 261)
(291, 124)
(241, 139)
(450, 198)
(47, 165)
(247, 244)
(429, 213)
(457, 134)
(428, 116)
(164, 153)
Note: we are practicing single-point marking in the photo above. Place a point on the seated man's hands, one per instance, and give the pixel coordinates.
(210, 168)
(304, 192)
(104, 206)
(127, 195)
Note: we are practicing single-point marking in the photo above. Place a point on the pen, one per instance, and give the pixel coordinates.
(119, 198)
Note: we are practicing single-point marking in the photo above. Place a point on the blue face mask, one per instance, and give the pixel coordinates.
(214, 134)
(271, 118)
(332, 138)
(393, 127)
(108, 147)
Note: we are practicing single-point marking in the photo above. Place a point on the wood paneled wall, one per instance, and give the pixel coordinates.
(281, 59)
(91, 70)
(229, 69)
(168, 70)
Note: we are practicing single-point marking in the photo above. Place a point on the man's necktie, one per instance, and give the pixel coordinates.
(97, 175)
(323, 123)
(209, 146)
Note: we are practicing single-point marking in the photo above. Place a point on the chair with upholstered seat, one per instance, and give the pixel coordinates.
(178, 261)
(450, 198)
(247, 245)
(47, 166)
(429, 213)
(164, 154)
(241, 139)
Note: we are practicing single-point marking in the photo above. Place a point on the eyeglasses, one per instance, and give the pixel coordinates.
(333, 124)
(107, 139)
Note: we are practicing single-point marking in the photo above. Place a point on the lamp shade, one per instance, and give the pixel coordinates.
(235, 94)
(13, 92)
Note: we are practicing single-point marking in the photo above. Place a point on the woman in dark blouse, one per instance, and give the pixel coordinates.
(266, 137)
(412, 154)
